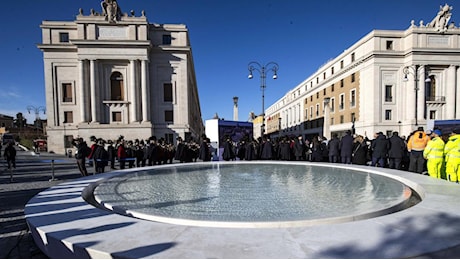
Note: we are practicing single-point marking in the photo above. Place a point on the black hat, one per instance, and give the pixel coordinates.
(420, 128)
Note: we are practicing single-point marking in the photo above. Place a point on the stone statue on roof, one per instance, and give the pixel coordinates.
(441, 21)
(111, 10)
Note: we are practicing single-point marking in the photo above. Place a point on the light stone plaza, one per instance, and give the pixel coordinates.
(110, 73)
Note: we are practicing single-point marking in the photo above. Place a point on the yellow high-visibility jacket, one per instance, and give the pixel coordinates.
(452, 150)
(417, 143)
(434, 149)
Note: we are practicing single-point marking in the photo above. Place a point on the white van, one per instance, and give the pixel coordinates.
(6, 138)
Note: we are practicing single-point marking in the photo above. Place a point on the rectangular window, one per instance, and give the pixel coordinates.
(68, 117)
(332, 71)
(324, 92)
(353, 98)
(332, 88)
(388, 93)
(63, 37)
(168, 92)
(353, 77)
(116, 116)
(388, 114)
(67, 92)
(317, 110)
(317, 80)
(324, 75)
(353, 57)
(341, 83)
(311, 112)
(332, 104)
(169, 116)
(317, 95)
(342, 119)
(341, 64)
(353, 117)
(342, 102)
(389, 45)
(166, 39)
(311, 98)
(433, 114)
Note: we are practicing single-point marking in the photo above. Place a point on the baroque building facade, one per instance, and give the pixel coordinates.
(387, 81)
(110, 74)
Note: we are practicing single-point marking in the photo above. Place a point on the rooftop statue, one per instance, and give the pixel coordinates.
(111, 10)
(440, 22)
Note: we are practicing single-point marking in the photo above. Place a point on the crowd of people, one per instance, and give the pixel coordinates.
(435, 152)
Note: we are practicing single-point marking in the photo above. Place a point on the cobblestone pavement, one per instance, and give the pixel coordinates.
(33, 174)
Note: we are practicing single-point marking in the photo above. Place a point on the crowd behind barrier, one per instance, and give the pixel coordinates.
(433, 152)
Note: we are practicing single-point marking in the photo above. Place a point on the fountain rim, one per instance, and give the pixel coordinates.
(398, 206)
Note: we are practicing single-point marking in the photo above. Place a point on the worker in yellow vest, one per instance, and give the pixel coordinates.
(434, 154)
(452, 156)
(416, 144)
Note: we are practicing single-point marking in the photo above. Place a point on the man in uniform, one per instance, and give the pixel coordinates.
(434, 154)
(452, 156)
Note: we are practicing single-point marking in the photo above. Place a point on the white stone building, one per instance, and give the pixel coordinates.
(109, 74)
(387, 81)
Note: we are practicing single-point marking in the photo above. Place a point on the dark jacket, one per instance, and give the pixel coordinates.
(380, 147)
(360, 153)
(397, 147)
(346, 145)
(334, 146)
(228, 153)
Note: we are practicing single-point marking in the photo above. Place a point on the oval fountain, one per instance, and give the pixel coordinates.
(243, 210)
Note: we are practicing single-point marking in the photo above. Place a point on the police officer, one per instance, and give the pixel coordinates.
(452, 156)
(434, 154)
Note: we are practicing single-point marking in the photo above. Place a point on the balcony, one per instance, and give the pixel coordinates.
(435, 99)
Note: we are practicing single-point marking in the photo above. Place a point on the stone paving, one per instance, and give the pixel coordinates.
(33, 174)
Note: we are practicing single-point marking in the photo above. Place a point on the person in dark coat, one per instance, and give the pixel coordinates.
(346, 147)
(360, 151)
(333, 147)
(316, 150)
(229, 152)
(152, 151)
(112, 154)
(80, 155)
(10, 155)
(284, 150)
(205, 152)
(380, 147)
(179, 150)
(267, 149)
(101, 156)
(396, 151)
(299, 149)
(251, 150)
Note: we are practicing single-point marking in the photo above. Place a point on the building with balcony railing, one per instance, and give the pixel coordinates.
(371, 86)
(118, 75)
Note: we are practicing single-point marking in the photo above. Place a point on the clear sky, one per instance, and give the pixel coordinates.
(299, 35)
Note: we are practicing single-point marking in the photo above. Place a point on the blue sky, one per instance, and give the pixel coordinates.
(299, 35)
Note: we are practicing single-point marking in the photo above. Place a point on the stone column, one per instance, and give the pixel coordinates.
(133, 92)
(94, 97)
(457, 92)
(450, 93)
(409, 106)
(421, 103)
(145, 91)
(82, 94)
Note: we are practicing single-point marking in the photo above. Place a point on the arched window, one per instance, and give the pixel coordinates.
(116, 86)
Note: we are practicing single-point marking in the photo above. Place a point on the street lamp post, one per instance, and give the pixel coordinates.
(37, 114)
(263, 69)
(415, 71)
